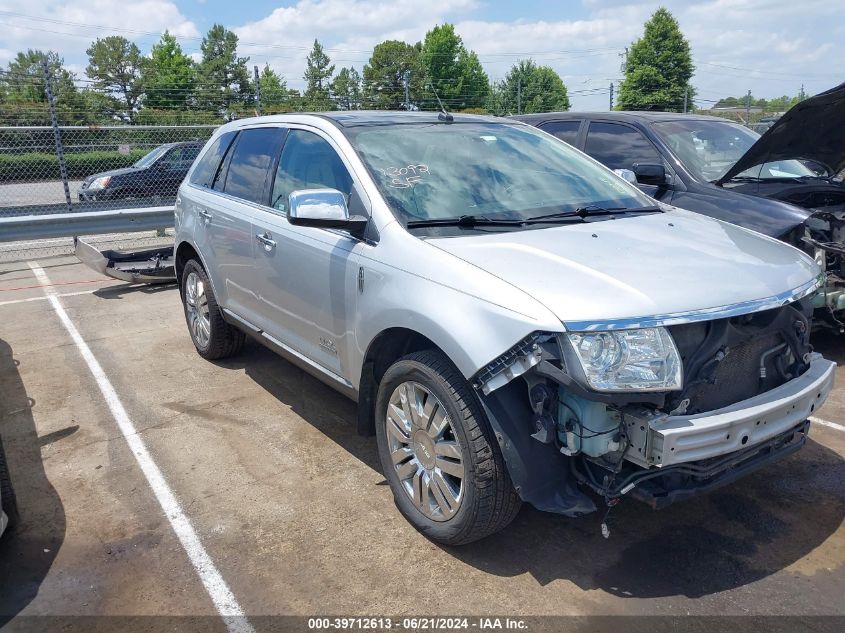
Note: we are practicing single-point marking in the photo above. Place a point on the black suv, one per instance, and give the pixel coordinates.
(156, 175)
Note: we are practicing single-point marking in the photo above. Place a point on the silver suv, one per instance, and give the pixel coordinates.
(515, 321)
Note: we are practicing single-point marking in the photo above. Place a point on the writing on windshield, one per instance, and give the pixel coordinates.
(404, 177)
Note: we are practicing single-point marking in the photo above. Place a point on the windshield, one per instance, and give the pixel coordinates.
(494, 170)
(152, 157)
(708, 149)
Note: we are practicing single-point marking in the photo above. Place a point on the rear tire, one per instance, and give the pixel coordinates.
(439, 453)
(212, 336)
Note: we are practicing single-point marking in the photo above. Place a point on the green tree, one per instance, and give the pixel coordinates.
(346, 89)
(114, 63)
(223, 78)
(168, 76)
(24, 98)
(454, 71)
(782, 104)
(659, 67)
(475, 83)
(540, 87)
(384, 87)
(274, 91)
(318, 73)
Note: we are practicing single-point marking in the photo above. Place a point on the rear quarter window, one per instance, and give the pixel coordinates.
(206, 170)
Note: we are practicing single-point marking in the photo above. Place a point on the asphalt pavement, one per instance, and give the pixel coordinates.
(277, 507)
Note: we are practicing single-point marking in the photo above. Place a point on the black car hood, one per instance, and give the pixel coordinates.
(112, 172)
(811, 130)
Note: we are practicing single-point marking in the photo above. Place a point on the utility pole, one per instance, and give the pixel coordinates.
(519, 96)
(748, 108)
(57, 134)
(686, 97)
(611, 95)
(257, 91)
(406, 79)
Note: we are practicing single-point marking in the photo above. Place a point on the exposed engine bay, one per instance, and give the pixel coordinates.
(822, 237)
(749, 384)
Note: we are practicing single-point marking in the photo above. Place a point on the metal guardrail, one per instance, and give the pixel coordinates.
(36, 227)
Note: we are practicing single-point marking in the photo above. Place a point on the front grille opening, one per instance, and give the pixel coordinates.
(730, 360)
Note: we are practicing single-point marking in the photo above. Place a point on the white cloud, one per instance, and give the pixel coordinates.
(768, 46)
(62, 26)
(349, 28)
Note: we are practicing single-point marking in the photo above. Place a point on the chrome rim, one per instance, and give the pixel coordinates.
(196, 302)
(424, 451)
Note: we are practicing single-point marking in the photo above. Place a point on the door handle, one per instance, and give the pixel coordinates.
(267, 240)
(205, 215)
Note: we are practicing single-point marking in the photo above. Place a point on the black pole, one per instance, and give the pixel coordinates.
(57, 134)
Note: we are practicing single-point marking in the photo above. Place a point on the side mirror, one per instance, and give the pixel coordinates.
(626, 175)
(648, 174)
(325, 209)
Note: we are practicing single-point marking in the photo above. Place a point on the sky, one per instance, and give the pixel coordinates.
(771, 47)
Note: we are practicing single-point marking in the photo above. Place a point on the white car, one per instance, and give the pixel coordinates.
(516, 322)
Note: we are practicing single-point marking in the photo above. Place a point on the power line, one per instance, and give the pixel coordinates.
(588, 51)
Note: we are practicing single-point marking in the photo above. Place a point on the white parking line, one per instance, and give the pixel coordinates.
(222, 597)
(832, 425)
(45, 298)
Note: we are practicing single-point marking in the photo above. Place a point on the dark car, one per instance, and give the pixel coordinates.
(784, 183)
(156, 175)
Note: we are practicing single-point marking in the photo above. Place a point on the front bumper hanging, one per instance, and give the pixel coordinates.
(149, 266)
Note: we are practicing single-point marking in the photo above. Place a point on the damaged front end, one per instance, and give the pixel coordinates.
(820, 234)
(660, 412)
(824, 238)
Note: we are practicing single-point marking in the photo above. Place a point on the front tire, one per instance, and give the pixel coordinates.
(438, 452)
(212, 336)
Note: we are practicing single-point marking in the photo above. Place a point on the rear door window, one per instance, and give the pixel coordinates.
(251, 162)
(564, 130)
(619, 146)
(203, 175)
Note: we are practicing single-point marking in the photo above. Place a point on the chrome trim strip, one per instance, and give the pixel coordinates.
(307, 361)
(706, 314)
(227, 312)
(288, 350)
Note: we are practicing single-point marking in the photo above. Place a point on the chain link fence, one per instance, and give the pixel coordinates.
(65, 169)
(69, 169)
(47, 170)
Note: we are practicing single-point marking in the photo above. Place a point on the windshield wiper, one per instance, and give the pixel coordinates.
(472, 221)
(465, 221)
(585, 212)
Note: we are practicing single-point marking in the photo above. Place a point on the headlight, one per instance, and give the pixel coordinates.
(628, 360)
(100, 183)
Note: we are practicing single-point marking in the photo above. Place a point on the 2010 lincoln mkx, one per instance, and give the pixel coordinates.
(516, 322)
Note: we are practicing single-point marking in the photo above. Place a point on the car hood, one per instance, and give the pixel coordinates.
(111, 172)
(810, 130)
(637, 267)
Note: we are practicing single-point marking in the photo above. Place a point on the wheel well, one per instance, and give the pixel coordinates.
(391, 345)
(184, 254)
(385, 349)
